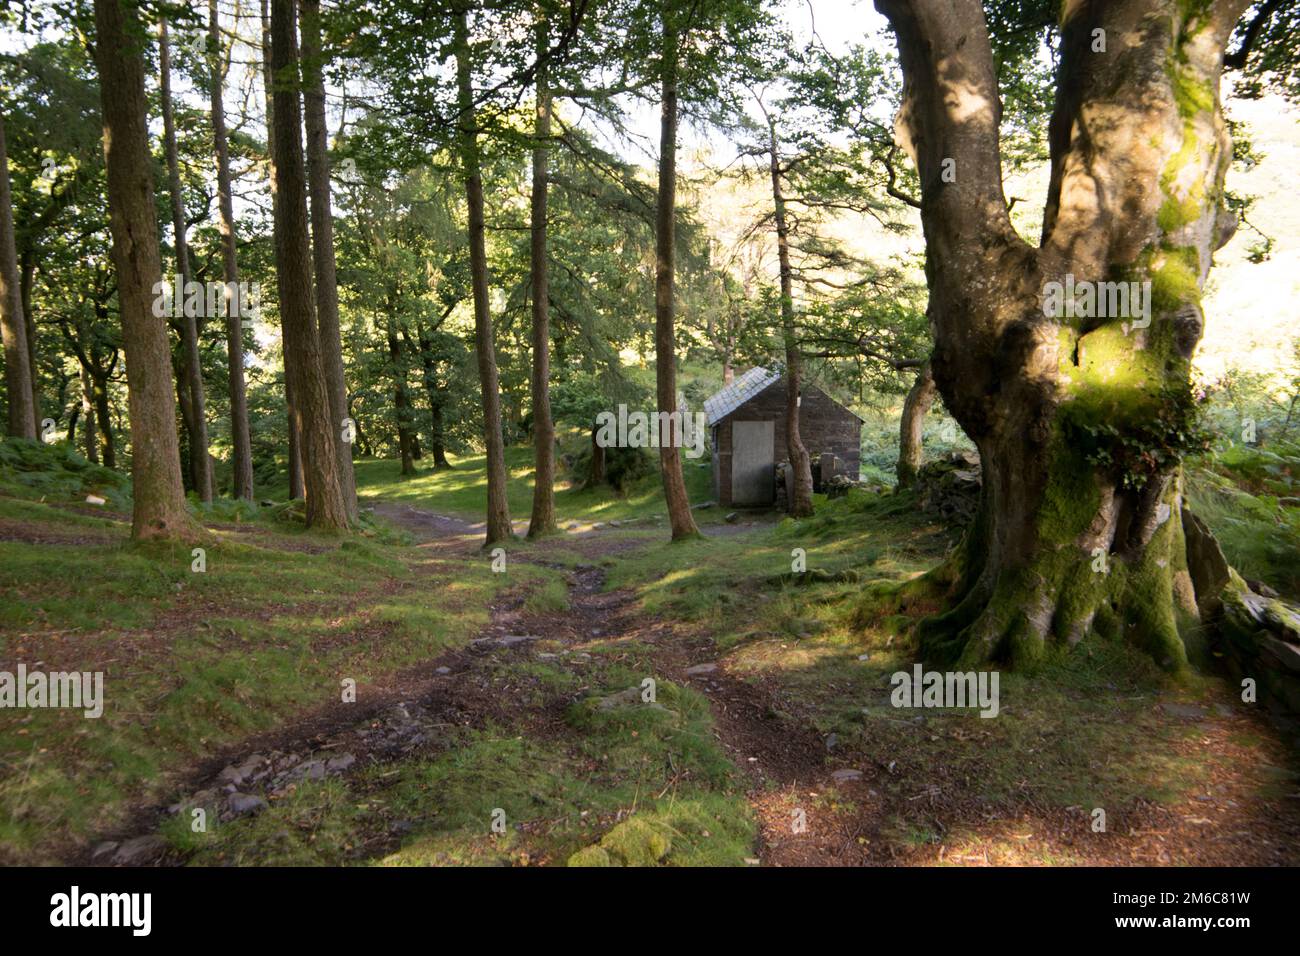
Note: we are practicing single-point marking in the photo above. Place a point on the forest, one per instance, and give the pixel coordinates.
(680, 433)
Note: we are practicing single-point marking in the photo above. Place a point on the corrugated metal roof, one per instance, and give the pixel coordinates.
(741, 390)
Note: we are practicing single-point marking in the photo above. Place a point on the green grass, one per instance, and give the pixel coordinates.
(196, 660)
(462, 490)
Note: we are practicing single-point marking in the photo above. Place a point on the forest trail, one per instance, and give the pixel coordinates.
(408, 714)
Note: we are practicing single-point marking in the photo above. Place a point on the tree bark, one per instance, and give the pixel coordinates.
(159, 509)
(499, 527)
(670, 461)
(27, 277)
(800, 497)
(437, 398)
(542, 521)
(915, 407)
(322, 240)
(1076, 535)
(239, 430)
(268, 86)
(13, 326)
(401, 399)
(88, 416)
(200, 466)
(303, 366)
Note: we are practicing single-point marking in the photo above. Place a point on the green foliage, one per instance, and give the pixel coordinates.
(1149, 441)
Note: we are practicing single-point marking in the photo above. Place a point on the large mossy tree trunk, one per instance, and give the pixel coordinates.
(542, 521)
(241, 441)
(670, 459)
(1080, 422)
(159, 510)
(191, 366)
(303, 364)
(322, 241)
(499, 527)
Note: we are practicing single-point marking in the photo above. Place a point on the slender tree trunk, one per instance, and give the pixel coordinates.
(88, 415)
(159, 501)
(670, 461)
(99, 382)
(596, 477)
(542, 521)
(800, 496)
(322, 240)
(499, 527)
(1080, 419)
(268, 86)
(18, 373)
(437, 398)
(401, 400)
(303, 365)
(915, 407)
(239, 431)
(27, 278)
(200, 465)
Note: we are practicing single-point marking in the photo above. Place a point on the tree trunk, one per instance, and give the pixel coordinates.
(437, 398)
(401, 400)
(542, 521)
(100, 384)
(13, 326)
(159, 501)
(670, 461)
(200, 467)
(239, 431)
(27, 277)
(915, 407)
(88, 416)
(597, 475)
(800, 495)
(322, 240)
(499, 527)
(1080, 420)
(268, 86)
(303, 367)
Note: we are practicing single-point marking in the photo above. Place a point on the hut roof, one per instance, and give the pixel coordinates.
(741, 390)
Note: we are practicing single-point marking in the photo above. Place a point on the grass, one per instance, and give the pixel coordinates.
(461, 490)
(582, 771)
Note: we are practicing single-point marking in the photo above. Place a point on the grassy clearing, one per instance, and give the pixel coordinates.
(461, 491)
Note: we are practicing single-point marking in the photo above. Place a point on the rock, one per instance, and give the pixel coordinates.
(1186, 711)
(140, 850)
(697, 669)
(242, 804)
(846, 775)
(1288, 655)
(1206, 565)
(950, 486)
(340, 763)
(510, 640)
(837, 486)
(442, 670)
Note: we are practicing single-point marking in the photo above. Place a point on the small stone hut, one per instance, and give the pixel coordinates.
(747, 426)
